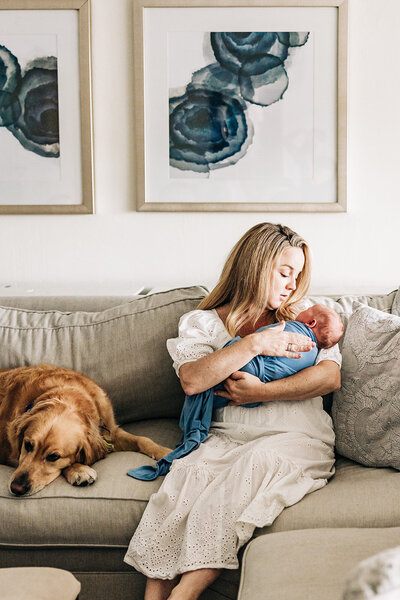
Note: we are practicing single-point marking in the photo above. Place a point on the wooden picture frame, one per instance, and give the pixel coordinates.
(46, 107)
(292, 153)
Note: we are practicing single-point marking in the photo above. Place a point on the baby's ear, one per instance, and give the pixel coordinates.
(311, 323)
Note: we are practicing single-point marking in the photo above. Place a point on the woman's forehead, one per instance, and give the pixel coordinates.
(292, 258)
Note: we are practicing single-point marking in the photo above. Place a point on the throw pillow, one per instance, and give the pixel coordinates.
(366, 410)
(122, 348)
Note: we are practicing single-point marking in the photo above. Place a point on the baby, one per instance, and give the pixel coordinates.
(320, 323)
(325, 323)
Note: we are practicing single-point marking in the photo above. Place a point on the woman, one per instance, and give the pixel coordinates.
(256, 461)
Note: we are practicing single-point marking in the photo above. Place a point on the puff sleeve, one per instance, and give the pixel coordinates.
(200, 332)
(333, 354)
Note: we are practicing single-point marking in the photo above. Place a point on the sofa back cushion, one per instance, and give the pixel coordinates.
(122, 348)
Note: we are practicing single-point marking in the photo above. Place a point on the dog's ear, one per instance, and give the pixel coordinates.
(16, 430)
(92, 449)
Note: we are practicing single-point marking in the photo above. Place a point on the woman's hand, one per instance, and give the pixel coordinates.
(274, 341)
(241, 388)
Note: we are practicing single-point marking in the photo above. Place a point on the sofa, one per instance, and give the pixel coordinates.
(119, 341)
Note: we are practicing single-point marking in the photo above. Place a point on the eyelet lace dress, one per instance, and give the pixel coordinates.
(255, 462)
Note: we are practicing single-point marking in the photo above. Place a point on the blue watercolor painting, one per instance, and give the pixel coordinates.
(209, 126)
(29, 102)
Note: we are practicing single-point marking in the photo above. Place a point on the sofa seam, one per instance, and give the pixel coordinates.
(130, 314)
(56, 328)
(69, 312)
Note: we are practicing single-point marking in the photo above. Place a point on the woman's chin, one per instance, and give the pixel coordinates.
(274, 305)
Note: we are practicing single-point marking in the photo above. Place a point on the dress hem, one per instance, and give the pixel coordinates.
(151, 575)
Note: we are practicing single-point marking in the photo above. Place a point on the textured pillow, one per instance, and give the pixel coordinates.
(122, 348)
(366, 410)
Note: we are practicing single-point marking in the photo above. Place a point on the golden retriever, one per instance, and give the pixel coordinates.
(54, 420)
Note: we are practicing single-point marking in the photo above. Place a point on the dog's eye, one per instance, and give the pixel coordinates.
(28, 446)
(52, 457)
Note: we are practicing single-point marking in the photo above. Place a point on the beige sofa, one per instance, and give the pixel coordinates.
(120, 342)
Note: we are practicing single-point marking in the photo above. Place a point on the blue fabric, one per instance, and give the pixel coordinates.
(197, 410)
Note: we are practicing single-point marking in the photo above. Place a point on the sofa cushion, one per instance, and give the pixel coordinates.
(312, 564)
(105, 513)
(356, 496)
(366, 410)
(122, 348)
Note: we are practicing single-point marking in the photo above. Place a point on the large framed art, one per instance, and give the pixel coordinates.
(240, 105)
(46, 137)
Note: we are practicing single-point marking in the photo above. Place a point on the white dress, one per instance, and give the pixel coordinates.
(255, 462)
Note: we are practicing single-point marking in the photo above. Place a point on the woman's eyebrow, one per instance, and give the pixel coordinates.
(291, 269)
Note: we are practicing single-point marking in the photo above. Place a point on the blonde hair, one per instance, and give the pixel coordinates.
(246, 276)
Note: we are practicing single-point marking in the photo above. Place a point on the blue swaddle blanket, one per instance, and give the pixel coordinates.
(197, 409)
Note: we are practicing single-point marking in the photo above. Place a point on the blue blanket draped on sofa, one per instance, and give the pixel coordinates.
(197, 410)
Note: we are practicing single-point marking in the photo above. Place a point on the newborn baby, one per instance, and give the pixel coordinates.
(325, 323)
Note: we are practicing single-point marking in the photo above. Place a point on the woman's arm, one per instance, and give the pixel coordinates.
(243, 388)
(202, 374)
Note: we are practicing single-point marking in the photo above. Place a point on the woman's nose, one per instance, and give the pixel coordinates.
(291, 284)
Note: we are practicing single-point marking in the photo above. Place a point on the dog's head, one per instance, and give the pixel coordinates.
(52, 435)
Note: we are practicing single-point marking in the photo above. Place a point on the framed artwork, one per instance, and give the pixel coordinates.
(240, 105)
(46, 137)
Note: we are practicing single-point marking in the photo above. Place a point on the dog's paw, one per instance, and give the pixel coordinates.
(80, 475)
(160, 452)
(150, 448)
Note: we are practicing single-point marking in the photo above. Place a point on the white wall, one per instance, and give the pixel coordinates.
(353, 252)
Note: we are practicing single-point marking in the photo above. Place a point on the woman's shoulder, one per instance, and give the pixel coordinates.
(201, 320)
(200, 332)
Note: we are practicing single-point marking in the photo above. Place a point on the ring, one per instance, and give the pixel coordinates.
(289, 347)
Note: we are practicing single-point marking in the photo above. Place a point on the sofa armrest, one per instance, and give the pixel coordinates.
(308, 564)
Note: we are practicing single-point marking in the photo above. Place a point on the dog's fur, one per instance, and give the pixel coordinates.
(54, 420)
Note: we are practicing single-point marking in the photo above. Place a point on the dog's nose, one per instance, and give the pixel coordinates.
(20, 485)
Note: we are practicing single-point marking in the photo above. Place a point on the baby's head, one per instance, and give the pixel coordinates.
(325, 323)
